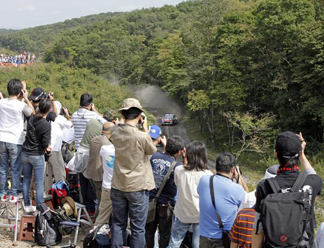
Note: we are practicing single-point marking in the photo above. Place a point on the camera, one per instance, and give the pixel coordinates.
(41, 96)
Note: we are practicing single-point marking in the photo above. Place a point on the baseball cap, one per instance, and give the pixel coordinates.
(36, 94)
(155, 131)
(131, 103)
(288, 145)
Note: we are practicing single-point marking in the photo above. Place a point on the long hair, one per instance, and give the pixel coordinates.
(196, 154)
(43, 108)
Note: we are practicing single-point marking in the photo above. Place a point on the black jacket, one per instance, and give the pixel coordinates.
(38, 136)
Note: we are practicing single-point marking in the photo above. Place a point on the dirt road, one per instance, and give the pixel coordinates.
(158, 103)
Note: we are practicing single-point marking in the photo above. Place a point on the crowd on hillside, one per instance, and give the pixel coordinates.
(127, 184)
(19, 59)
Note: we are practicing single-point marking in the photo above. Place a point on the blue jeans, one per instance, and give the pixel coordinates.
(179, 232)
(134, 204)
(10, 155)
(30, 162)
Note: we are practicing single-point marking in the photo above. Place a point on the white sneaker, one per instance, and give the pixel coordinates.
(13, 198)
(29, 209)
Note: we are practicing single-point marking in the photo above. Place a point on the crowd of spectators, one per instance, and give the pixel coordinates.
(122, 173)
(19, 59)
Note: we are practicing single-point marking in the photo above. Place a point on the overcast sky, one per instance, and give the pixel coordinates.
(18, 14)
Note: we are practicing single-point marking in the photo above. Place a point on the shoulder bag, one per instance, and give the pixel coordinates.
(152, 203)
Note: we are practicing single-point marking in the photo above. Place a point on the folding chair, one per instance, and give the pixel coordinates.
(80, 208)
(10, 212)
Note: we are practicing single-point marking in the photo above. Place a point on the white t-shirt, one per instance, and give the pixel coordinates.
(12, 120)
(187, 205)
(80, 120)
(107, 153)
(58, 126)
(68, 135)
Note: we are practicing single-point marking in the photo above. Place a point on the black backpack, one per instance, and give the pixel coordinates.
(285, 214)
(46, 228)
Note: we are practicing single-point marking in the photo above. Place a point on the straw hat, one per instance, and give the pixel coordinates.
(69, 206)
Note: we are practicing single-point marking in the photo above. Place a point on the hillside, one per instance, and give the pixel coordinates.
(37, 39)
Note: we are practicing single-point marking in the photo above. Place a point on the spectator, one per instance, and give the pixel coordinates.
(80, 118)
(38, 139)
(133, 175)
(68, 138)
(36, 95)
(83, 133)
(161, 163)
(107, 154)
(241, 233)
(187, 177)
(228, 197)
(94, 170)
(55, 164)
(289, 149)
(12, 112)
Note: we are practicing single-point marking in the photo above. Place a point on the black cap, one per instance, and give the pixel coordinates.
(288, 145)
(36, 94)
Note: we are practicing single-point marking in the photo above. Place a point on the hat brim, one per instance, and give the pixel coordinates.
(71, 202)
(154, 136)
(127, 108)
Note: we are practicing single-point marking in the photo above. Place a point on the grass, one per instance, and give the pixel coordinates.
(253, 165)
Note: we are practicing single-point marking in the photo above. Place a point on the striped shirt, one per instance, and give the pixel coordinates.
(80, 120)
(241, 232)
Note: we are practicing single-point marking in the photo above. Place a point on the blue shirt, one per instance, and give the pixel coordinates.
(161, 163)
(228, 198)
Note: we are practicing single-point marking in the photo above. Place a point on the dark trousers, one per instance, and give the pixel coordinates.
(88, 194)
(163, 220)
(210, 243)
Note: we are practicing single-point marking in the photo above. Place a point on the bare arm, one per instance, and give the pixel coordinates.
(240, 180)
(93, 108)
(305, 164)
(25, 96)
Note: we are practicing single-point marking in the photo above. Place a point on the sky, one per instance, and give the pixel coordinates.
(19, 14)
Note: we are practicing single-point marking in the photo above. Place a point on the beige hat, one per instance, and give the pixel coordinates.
(131, 103)
(69, 206)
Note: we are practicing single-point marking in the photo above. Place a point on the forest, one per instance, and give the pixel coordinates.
(244, 70)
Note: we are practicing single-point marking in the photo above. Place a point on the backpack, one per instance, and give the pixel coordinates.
(285, 214)
(59, 191)
(46, 228)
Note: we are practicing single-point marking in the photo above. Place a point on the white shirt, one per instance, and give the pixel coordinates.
(12, 120)
(58, 126)
(107, 153)
(80, 120)
(187, 205)
(68, 135)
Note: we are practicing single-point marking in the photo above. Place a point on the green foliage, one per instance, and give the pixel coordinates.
(67, 84)
(264, 58)
(39, 38)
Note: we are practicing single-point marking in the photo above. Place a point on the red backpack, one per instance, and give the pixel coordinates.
(59, 191)
(58, 196)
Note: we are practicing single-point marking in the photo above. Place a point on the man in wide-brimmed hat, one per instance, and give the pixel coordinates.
(132, 176)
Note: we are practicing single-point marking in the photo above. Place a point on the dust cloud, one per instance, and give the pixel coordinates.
(156, 100)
